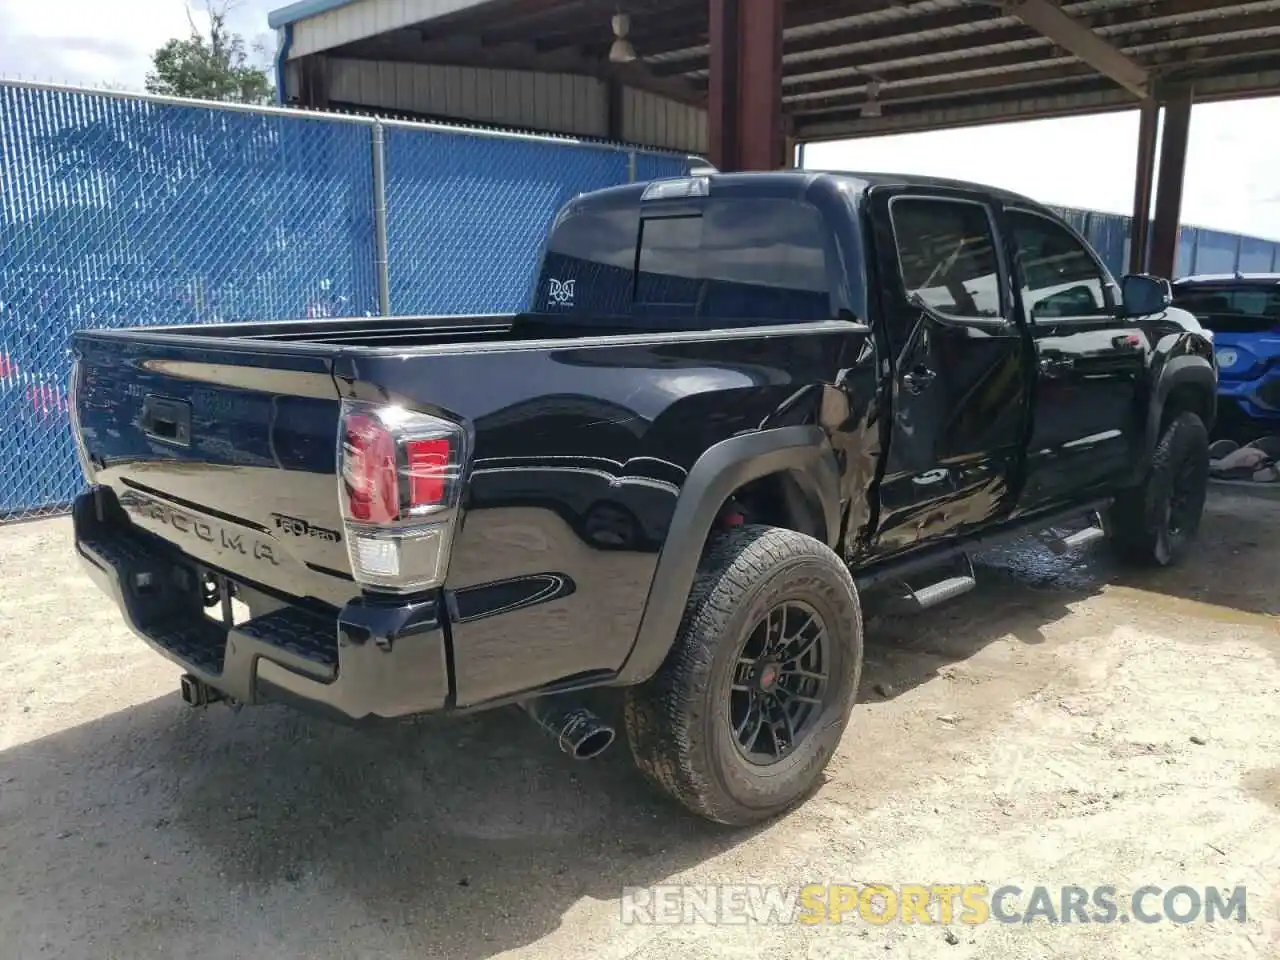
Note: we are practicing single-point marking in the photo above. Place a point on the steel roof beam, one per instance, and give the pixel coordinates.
(469, 51)
(1230, 36)
(1049, 20)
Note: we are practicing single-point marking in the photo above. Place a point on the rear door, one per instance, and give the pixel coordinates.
(960, 374)
(1087, 420)
(227, 452)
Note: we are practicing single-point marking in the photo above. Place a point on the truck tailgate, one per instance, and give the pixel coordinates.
(227, 451)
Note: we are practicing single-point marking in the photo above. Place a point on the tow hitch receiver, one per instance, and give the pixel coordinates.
(197, 693)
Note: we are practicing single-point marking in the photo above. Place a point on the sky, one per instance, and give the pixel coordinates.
(106, 42)
(1231, 180)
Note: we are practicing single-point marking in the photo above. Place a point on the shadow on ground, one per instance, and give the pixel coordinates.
(1235, 564)
(1022, 587)
(464, 837)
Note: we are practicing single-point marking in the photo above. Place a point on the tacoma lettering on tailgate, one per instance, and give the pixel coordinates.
(211, 532)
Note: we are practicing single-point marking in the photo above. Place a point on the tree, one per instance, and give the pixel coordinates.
(212, 67)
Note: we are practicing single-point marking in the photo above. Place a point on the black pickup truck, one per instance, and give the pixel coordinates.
(736, 401)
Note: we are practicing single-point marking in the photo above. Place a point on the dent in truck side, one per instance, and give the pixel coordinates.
(802, 453)
(601, 462)
(584, 508)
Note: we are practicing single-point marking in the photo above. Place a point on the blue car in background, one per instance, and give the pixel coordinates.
(1243, 313)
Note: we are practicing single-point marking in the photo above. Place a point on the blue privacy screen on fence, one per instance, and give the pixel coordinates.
(118, 212)
(466, 214)
(123, 211)
(1199, 250)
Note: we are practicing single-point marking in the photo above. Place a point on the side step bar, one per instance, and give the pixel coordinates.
(948, 588)
(1075, 541)
(930, 557)
(944, 590)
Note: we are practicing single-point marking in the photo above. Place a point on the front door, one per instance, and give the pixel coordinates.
(1087, 420)
(960, 378)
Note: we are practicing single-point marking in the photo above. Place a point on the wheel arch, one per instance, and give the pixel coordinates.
(789, 471)
(1184, 383)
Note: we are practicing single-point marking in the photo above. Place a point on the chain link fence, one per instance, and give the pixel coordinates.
(478, 205)
(120, 210)
(131, 211)
(1200, 250)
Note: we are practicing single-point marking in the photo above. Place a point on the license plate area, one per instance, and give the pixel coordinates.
(222, 601)
(167, 419)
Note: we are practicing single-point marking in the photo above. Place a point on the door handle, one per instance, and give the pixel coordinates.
(917, 380)
(1056, 366)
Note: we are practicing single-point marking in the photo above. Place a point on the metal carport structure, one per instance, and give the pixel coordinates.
(742, 79)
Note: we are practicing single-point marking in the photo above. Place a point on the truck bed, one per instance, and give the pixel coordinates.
(405, 333)
(416, 331)
(216, 449)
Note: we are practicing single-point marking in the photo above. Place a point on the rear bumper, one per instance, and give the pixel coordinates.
(368, 659)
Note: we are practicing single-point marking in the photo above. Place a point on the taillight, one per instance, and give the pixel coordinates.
(400, 478)
(428, 470)
(73, 407)
(369, 471)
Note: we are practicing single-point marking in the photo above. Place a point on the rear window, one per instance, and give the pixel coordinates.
(669, 268)
(740, 259)
(1241, 309)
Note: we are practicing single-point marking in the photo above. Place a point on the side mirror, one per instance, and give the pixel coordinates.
(1142, 294)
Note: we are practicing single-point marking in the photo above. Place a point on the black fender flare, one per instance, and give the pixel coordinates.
(802, 452)
(1187, 369)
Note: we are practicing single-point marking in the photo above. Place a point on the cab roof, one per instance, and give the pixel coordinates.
(795, 182)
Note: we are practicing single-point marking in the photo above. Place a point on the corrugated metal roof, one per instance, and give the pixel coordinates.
(968, 60)
(301, 10)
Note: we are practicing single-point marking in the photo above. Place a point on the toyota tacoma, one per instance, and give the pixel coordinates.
(735, 402)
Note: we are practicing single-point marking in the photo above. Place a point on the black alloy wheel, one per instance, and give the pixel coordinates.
(780, 682)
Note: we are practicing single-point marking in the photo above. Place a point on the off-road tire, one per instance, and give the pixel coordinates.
(677, 722)
(1139, 522)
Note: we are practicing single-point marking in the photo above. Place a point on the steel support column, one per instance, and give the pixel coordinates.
(313, 82)
(614, 126)
(1163, 258)
(1140, 228)
(745, 89)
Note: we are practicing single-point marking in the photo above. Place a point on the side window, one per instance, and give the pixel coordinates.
(947, 255)
(765, 259)
(744, 259)
(1059, 277)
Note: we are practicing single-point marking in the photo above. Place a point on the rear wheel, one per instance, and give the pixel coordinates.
(742, 718)
(1155, 523)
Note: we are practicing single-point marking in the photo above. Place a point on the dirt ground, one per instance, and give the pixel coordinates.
(1064, 724)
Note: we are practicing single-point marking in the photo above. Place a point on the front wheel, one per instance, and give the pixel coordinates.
(1155, 523)
(744, 715)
